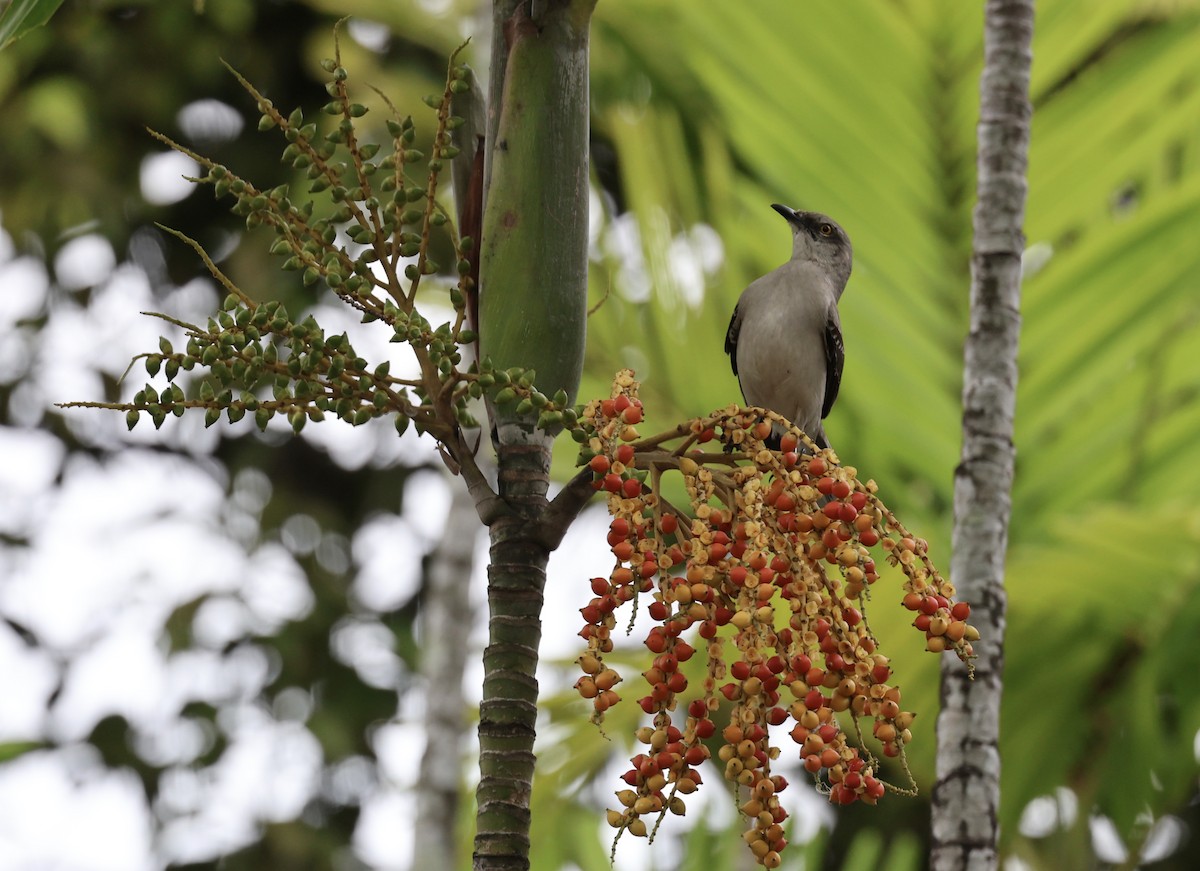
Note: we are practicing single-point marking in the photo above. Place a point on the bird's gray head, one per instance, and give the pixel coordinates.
(821, 239)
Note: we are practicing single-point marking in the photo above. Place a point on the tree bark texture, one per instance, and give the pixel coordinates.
(966, 798)
(508, 711)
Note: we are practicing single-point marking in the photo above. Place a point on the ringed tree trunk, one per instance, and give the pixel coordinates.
(532, 313)
(966, 798)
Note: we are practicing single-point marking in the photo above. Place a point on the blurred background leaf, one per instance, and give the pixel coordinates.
(21, 16)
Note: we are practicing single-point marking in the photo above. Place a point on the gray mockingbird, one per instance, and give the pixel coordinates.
(785, 338)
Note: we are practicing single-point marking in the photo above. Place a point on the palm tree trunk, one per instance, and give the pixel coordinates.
(966, 799)
(507, 713)
(532, 308)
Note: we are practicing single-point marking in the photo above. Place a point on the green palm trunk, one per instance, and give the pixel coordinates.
(533, 299)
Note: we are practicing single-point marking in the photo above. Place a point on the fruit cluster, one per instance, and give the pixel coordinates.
(369, 244)
(772, 560)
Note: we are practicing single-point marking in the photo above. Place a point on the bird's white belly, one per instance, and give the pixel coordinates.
(795, 367)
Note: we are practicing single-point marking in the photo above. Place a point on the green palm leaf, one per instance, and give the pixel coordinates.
(871, 118)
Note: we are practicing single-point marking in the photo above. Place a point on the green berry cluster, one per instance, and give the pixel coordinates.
(248, 345)
(362, 228)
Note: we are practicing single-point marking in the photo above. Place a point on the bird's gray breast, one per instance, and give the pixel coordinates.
(781, 343)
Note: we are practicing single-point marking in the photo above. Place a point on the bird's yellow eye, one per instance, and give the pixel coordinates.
(826, 229)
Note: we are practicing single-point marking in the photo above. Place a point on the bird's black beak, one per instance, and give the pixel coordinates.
(789, 215)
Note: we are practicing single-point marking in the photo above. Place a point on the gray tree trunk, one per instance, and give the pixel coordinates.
(966, 799)
(446, 617)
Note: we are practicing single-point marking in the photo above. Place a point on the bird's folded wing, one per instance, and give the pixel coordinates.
(835, 359)
(731, 338)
